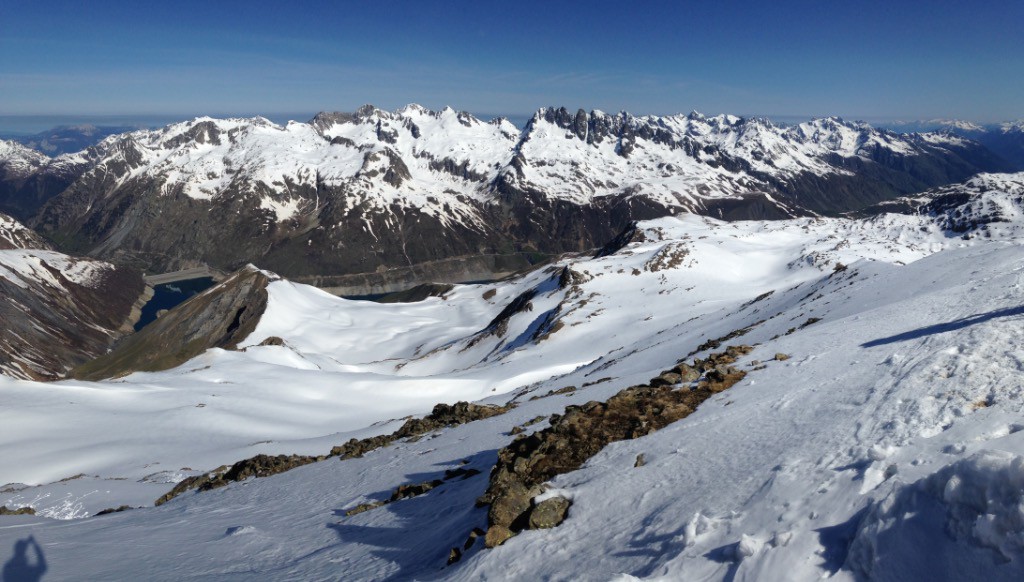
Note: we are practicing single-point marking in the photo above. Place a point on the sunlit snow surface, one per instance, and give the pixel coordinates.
(889, 444)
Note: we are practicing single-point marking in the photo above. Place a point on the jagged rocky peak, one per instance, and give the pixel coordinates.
(291, 197)
(194, 133)
(369, 111)
(325, 119)
(596, 126)
(387, 124)
(202, 131)
(819, 127)
(463, 117)
(592, 128)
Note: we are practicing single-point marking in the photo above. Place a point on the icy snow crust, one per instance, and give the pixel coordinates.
(889, 444)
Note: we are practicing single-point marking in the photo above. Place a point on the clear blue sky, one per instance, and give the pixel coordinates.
(868, 59)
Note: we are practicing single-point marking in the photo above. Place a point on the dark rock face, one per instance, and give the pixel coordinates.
(23, 197)
(630, 234)
(117, 509)
(132, 226)
(222, 316)
(582, 431)
(417, 293)
(29, 179)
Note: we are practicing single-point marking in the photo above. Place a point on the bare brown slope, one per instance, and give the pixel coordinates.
(220, 317)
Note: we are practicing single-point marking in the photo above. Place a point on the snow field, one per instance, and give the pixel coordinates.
(897, 413)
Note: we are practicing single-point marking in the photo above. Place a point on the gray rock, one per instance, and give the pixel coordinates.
(549, 513)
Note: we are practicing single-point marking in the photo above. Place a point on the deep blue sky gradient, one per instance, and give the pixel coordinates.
(868, 59)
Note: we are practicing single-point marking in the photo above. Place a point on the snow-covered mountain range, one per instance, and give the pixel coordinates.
(1005, 139)
(870, 428)
(449, 194)
(29, 178)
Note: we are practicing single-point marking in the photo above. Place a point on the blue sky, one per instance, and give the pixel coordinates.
(868, 59)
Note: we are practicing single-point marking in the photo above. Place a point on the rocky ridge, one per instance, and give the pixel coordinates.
(220, 317)
(517, 480)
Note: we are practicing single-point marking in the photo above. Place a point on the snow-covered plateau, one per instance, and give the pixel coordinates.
(876, 434)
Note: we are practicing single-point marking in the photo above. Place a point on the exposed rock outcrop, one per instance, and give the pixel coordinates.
(4, 510)
(582, 431)
(258, 466)
(221, 317)
(442, 416)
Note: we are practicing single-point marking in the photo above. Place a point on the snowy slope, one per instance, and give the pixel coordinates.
(19, 161)
(15, 235)
(897, 411)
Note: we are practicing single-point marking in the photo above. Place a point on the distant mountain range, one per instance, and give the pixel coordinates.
(375, 200)
(1005, 139)
(65, 139)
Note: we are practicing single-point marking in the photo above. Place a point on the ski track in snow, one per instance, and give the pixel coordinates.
(888, 445)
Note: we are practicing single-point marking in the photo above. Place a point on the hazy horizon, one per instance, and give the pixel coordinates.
(798, 58)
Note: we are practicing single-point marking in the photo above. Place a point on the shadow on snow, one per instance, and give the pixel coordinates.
(19, 568)
(448, 511)
(945, 327)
